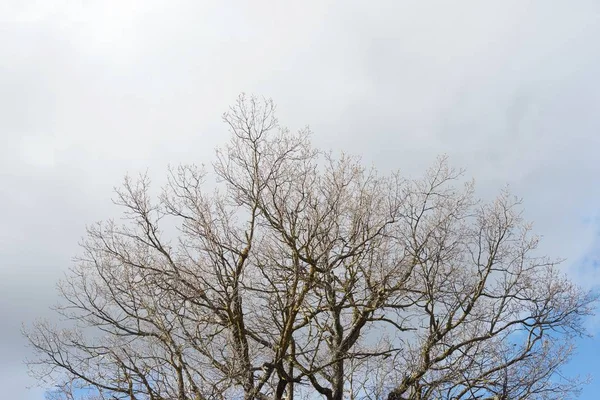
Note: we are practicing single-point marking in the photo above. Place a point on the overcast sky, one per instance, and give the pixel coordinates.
(91, 90)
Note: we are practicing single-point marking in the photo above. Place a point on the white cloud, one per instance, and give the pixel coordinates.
(91, 90)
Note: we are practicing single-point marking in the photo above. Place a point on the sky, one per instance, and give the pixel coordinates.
(92, 90)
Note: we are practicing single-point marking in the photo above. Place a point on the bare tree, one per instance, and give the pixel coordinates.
(305, 275)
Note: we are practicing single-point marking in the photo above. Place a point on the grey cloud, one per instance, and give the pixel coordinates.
(91, 91)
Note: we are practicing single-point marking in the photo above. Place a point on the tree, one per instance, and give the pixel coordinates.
(306, 275)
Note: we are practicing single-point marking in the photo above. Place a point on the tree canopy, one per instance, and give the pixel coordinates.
(305, 274)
